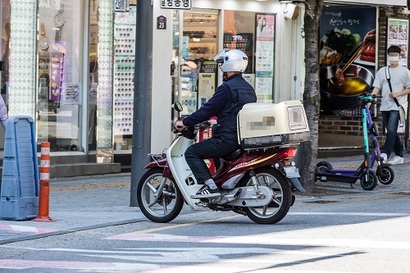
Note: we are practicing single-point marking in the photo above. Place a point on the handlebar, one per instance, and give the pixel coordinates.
(190, 131)
(203, 125)
(369, 98)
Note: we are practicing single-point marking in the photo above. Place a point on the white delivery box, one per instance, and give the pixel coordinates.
(265, 125)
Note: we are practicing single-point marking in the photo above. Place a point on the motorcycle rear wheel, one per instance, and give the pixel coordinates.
(170, 201)
(277, 209)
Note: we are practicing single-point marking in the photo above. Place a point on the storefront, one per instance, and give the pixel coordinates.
(346, 26)
(268, 32)
(70, 64)
(44, 73)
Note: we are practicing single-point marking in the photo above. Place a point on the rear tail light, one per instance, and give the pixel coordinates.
(289, 153)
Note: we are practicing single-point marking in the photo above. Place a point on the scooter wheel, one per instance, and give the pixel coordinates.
(371, 183)
(169, 203)
(281, 198)
(385, 175)
(324, 166)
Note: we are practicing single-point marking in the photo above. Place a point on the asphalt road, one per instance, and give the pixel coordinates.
(340, 229)
(357, 232)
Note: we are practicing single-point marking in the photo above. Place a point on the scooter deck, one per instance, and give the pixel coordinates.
(337, 176)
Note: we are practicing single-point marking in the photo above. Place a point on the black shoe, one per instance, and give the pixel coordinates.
(206, 192)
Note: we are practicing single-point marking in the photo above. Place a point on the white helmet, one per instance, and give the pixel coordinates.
(232, 60)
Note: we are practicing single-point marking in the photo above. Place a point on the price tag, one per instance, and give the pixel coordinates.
(176, 4)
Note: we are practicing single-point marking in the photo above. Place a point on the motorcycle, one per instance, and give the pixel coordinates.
(257, 183)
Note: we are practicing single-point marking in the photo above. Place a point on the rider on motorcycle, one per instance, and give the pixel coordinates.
(225, 104)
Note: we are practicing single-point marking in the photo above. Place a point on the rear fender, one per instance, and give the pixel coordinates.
(257, 159)
(296, 183)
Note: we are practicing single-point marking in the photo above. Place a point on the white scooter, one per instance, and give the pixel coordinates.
(257, 183)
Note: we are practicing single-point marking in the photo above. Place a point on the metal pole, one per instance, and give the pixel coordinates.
(141, 141)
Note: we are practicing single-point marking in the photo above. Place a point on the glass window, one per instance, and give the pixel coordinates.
(59, 70)
(93, 75)
(254, 34)
(4, 49)
(175, 59)
(199, 45)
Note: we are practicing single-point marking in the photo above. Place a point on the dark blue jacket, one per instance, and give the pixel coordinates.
(225, 104)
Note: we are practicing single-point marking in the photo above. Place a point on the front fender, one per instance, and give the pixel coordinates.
(157, 163)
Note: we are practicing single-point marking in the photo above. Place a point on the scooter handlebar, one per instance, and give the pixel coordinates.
(203, 125)
(370, 98)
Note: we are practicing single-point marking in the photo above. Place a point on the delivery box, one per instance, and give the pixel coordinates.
(265, 125)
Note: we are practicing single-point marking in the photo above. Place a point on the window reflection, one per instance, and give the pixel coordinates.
(59, 69)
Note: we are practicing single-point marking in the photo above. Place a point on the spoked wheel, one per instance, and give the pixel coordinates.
(281, 197)
(385, 174)
(159, 205)
(371, 183)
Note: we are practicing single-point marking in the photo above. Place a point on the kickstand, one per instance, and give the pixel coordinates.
(351, 185)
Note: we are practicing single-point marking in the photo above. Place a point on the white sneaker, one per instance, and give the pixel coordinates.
(384, 156)
(396, 160)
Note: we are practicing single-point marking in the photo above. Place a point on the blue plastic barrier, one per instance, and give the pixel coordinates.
(20, 178)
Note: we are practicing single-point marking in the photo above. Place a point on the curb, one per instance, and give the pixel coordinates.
(68, 231)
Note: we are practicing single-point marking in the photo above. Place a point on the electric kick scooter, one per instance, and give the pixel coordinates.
(368, 178)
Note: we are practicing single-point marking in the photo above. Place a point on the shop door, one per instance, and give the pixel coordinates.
(59, 95)
(198, 71)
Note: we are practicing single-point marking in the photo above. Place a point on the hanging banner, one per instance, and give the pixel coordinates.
(57, 58)
(398, 34)
(348, 37)
(265, 48)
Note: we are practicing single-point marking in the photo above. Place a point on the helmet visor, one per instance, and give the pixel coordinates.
(219, 58)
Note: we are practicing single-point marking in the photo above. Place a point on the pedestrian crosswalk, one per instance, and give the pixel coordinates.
(333, 242)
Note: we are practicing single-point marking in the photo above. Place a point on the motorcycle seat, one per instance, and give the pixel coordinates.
(233, 155)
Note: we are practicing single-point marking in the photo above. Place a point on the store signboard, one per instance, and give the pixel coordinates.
(207, 81)
(265, 59)
(124, 62)
(398, 34)
(374, 2)
(120, 5)
(342, 31)
(176, 4)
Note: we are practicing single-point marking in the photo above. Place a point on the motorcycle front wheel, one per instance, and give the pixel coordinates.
(281, 197)
(169, 202)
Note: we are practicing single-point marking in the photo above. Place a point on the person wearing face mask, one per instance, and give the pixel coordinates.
(400, 88)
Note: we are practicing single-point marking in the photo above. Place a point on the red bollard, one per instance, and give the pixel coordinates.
(43, 209)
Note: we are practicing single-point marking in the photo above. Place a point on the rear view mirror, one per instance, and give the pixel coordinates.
(178, 106)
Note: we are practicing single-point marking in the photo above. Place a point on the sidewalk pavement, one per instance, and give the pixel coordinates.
(83, 203)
